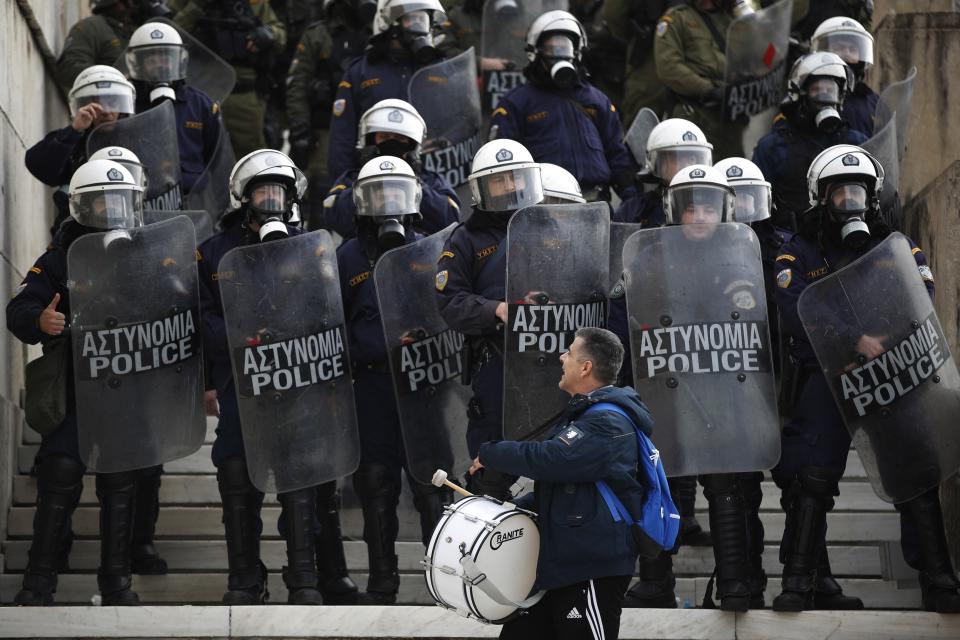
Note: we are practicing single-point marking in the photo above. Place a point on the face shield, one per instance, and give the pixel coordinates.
(847, 203)
(158, 64)
(751, 203)
(508, 190)
(116, 209)
(823, 94)
(699, 204)
(389, 196)
(269, 198)
(114, 98)
(667, 162)
(559, 54)
(415, 31)
(853, 48)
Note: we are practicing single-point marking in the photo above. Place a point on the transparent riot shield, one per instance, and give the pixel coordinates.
(206, 71)
(619, 232)
(883, 146)
(288, 347)
(757, 61)
(159, 154)
(505, 25)
(426, 359)
(636, 136)
(900, 406)
(895, 104)
(211, 192)
(135, 329)
(202, 223)
(701, 346)
(557, 282)
(447, 97)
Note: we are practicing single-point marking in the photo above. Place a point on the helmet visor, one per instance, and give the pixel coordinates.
(117, 209)
(509, 190)
(698, 204)
(848, 197)
(557, 47)
(853, 48)
(269, 197)
(158, 63)
(397, 10)
(824, 90)
(389, 196)
(667, 162)
(751, 202)
(113, 97)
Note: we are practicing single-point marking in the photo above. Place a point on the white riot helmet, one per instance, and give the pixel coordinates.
(753, 194)
(701, 194)
(269, 185)
(504, 177)
(848, 39)
(414, 20)
(818, 83)
(156, 55)
(391, 116)
(103, 195)
(846, 181)
(386, 190)
(104, 85)
(559, 185)
(674, 144)
(125, 157)
(559, 39)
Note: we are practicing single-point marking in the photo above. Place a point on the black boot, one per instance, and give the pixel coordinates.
(806, 505)
(827, 593)
(332, 576)
(300, 574)
(729, 533)
(117, 494)
(655, 590)
(59, 483)
(752, 492)
(429, 501)
(938, 581)
(146, 560)
(247, 580)
(683, 490)
(379, 495)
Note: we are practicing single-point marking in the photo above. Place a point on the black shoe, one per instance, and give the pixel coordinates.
(738, 603)
(792, 601)
(939, 593)
(372, 598)
(123, 598)
(244, 597)
(37, 591)
(147, 562)
(655, 590)
(828, 596)
(305, 596)
(938, 581)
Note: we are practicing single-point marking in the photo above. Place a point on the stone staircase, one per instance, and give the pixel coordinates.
(190, 538)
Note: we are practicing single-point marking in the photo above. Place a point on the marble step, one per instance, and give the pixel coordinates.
(204, 522)
(210, 555)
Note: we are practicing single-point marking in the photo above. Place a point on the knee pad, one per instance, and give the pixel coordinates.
(115, 483)
(60, 474)
(719, 483)
(372, 481)
(819, 481)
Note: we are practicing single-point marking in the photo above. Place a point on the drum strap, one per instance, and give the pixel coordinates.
(477, 578)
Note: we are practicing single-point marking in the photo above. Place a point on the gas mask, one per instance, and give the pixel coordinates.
(558, 54)
(390, 234)
(822, 102)
(847, 207)
(415, 33)
(268, 206)
(396, 148)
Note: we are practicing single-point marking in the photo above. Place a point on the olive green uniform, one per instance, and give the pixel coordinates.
(96, 39)
(244, 110)
(462, 30)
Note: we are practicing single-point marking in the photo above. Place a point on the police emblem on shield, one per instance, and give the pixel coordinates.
(156, 34)
(734, 172)
(850, 161)
(114, 175)
(504, 155)
(386, 165)
(395, 116)
(689, 136)
(698, 173)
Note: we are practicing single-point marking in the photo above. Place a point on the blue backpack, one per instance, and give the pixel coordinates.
(659, 523)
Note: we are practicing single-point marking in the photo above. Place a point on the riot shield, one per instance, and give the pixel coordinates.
(159, 154)
(135, 329)
(505, 25)
(288, 347)
(883, 146)
(202, 223)
(900, 406)
(557, 282)
(211, 192)
(426, 359)
(637, 134)
(701, 346)
(446, 96)
(894, 104)
(619, 232)
(206, 71)
(757, 61)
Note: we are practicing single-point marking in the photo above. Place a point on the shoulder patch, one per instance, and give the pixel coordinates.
(339, 106)
(925, 273)
(369, 82)
(570, 435)
(787, 257)
(662, 26)
(446, 254)
(915, 251)
(359, 278)
(499, 111)
(442, 279)
(344, 85)
(35, 270)
(618, 290)
(784, 278)
(487, 251)
(538, 116)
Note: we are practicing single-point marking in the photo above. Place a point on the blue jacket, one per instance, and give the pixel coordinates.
(859, 108)
(440, 206)
(579, 539)
(645, 208)
(577, 129)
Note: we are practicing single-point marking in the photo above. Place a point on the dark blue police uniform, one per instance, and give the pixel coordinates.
(53, 161)
(859, 109)
(645, 208)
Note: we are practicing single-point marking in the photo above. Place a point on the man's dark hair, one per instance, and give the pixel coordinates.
(604, 350)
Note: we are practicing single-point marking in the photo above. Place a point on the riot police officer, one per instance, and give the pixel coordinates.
(265, 187)
(673, 144)
(401, 42)
(848, 39)
(102, 196)
(809, 122)
(393, 128)
(319, 61)
(247, 35)
(387, 197)
(158, 61)
(471, 286)
(843, 225)
(560, 117)
(559, 185)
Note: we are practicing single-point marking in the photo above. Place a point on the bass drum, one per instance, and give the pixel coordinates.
(503, 543)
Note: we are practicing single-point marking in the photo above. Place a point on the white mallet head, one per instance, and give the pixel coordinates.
(439, 477)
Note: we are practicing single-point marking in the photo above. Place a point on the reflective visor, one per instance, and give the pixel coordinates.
(118, 209)
(509, 190)
(269, 197)
(667, 162)
(557, 46)
(851, 47)
(389, 196)
(752, 203)
(159, 63)
(696, 204)
(120, 103)
(848, 198)
(824, 90)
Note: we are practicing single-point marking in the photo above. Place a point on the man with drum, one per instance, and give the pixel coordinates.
(586, 556)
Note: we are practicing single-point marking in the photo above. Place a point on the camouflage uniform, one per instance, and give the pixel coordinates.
(97, 39)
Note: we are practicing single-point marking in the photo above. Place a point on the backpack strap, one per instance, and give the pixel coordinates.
(614, 504)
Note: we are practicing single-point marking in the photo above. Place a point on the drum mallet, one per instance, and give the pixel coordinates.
(440, 480)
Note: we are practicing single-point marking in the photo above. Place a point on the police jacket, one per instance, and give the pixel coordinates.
(97, 39)
(579, 539)
(440, 206)
(472, 272)
(784, 156)
(802, 262)
(577, 129)
(645, 208)
(53, 160)
(859, 109)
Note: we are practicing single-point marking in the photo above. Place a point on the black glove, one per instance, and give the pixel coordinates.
(301, 143)
(262, 38)
(714, 98)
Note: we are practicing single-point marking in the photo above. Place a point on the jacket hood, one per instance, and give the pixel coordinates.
(624, 397)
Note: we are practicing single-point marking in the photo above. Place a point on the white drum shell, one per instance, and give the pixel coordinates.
(503, 541)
